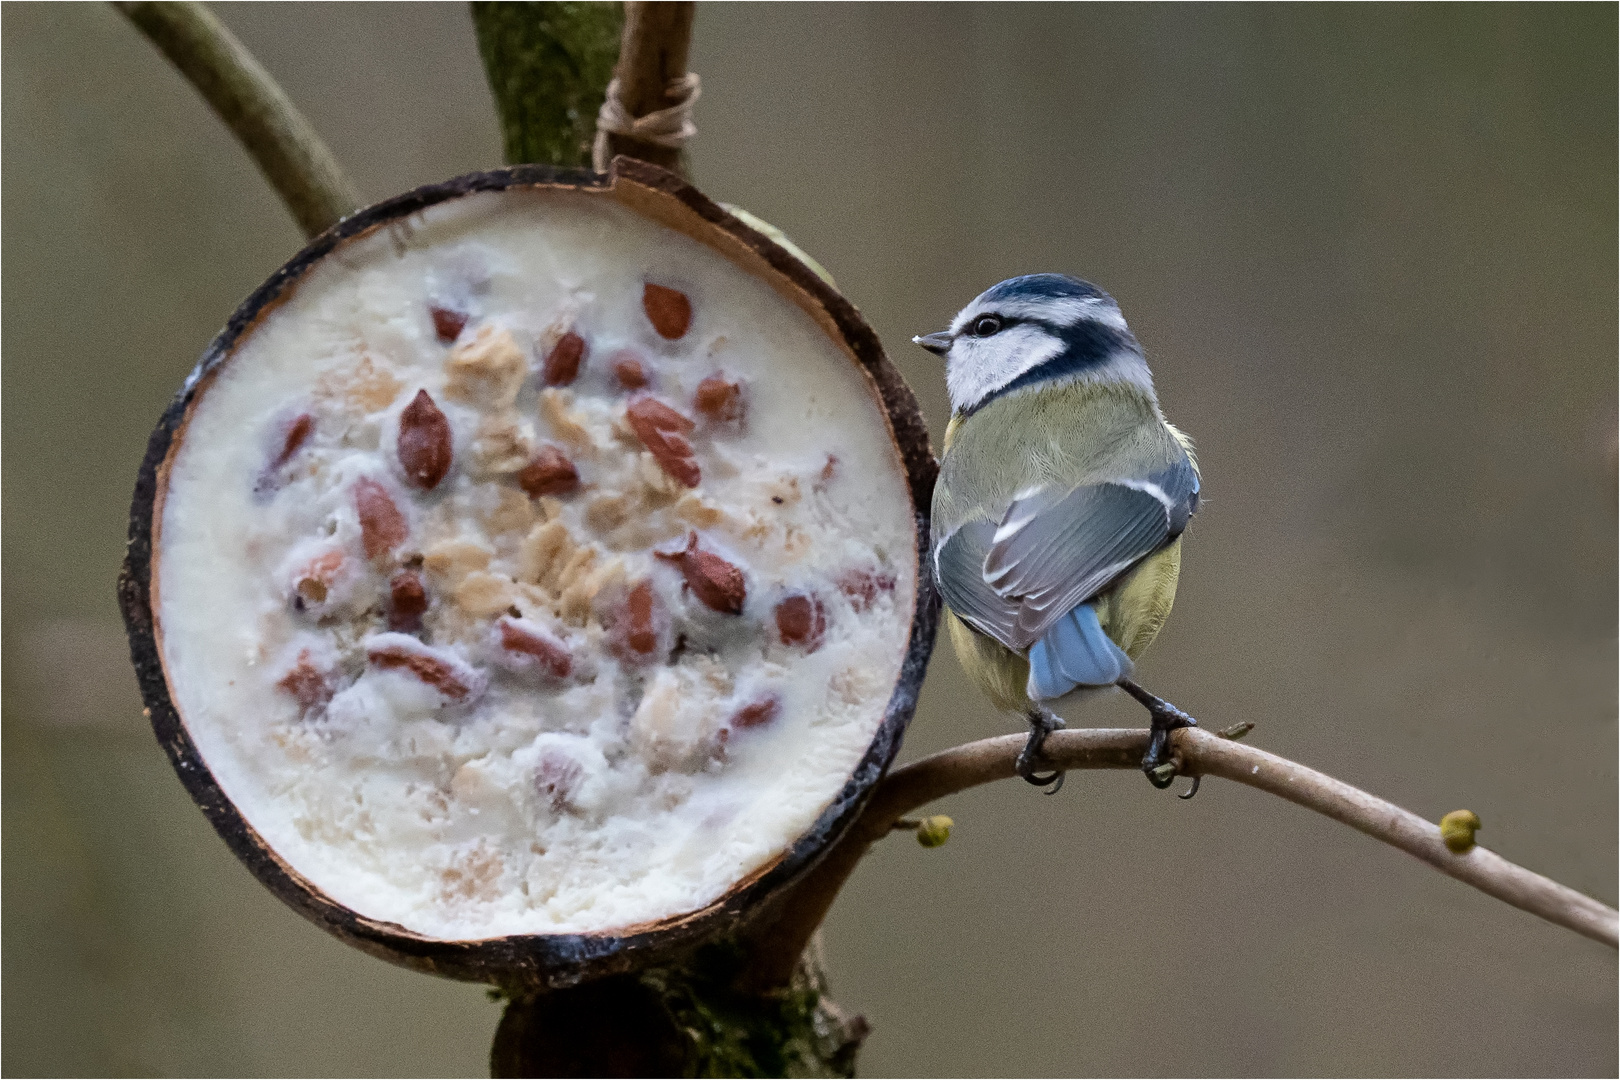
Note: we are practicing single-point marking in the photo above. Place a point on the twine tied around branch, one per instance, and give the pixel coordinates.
(669, 127)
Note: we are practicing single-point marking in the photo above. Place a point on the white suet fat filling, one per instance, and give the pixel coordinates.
(531, 569)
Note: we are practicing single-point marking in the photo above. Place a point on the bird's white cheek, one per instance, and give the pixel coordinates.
(959, 377)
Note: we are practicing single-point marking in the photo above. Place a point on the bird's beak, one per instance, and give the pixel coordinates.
(938, 344)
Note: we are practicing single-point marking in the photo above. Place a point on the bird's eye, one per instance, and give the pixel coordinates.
(985, 325)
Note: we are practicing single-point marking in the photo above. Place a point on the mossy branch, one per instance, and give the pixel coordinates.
(548, 67)
(691, 1019)
(273, 132)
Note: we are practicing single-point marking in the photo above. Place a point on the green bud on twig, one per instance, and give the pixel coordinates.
(1457, 829)
(934, 831)
(931, 831)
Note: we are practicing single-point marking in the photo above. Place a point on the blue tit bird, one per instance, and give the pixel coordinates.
(1062, 497)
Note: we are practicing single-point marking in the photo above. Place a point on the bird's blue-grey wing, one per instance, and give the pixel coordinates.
(1075, 650)
(1056, 549)
(959, 570)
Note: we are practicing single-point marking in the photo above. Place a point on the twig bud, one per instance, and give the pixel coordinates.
(934, 831)
(1457, 829)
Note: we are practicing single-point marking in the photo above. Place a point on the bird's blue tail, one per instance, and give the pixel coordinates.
(1074, 652)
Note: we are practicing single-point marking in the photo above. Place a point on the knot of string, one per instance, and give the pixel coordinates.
(669, 127)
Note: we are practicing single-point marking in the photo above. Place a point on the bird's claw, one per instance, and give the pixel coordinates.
(1055, 779)
(1160, 767)
(1030, 759)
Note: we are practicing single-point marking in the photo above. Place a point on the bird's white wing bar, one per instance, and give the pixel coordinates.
(1151, 488)
(1025, 506)
(1177, 487)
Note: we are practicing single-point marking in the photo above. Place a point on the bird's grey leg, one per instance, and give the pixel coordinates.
(1165, 719)
(1042, 722)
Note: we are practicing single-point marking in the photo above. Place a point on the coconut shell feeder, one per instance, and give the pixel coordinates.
(391, 629)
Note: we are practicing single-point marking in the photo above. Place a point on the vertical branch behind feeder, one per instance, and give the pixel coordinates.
(548, 67)
(651, 56)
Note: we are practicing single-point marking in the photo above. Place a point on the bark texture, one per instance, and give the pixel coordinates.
(652, 55)
(694, 1019)
(548, 67)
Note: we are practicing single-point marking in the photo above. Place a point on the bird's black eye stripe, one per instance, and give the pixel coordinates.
(990, 324)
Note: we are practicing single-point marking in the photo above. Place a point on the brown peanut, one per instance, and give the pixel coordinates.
(552, 655)
(757, 713)
(669, 310)
(563, 361)
(863, 586)
(382, 527)
(447, 324)
(308, 686)
(801, 620)
(407, 602)
(717, 584)
(630, 371)
(431, 670)
(663, 431)
(719, 399)
(424, 442)
(550, 473)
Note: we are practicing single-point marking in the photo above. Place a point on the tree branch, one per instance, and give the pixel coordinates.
(273, 132)
(781, 934)
(652, 54)
(548, 67)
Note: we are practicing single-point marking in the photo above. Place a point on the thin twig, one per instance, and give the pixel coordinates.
(781, 933)
(652, 54)
(274, 133)
(1485, 870)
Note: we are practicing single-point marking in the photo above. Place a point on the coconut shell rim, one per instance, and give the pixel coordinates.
(535, 959)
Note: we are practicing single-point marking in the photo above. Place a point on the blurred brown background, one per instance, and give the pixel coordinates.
(1371, 252)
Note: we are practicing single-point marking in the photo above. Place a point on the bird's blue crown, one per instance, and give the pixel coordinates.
(1043, 287)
